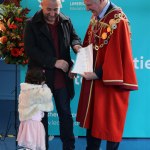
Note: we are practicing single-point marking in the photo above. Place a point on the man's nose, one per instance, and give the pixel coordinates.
(52, 13)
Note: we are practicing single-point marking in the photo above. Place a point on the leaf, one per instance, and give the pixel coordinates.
(8, 22)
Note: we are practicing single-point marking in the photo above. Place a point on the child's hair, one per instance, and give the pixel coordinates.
(35, 76)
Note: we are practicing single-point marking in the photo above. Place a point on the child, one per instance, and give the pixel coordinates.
(35, 98)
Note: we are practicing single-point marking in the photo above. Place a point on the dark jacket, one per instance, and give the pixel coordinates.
(40, 49)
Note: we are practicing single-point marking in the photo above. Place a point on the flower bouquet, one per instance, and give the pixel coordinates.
(12, 22)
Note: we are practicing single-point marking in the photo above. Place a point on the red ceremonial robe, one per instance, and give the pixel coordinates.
(103, 102)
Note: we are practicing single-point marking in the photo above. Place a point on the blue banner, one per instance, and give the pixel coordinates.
(137, 122)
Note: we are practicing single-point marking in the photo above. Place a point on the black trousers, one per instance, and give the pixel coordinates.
(94, 143)
(62, 102)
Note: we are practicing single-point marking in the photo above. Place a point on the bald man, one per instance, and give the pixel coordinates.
(48, 37)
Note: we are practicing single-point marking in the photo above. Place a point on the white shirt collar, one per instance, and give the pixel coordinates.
(101, 15)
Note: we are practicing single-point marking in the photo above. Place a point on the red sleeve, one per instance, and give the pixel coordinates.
(118, 68)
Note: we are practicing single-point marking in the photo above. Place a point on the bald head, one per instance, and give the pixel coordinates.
(52, 1)
(51, 10)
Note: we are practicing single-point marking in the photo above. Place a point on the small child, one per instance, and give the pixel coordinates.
(35, 98)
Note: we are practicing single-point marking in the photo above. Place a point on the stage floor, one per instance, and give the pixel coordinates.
(55, 144)
(7, 128)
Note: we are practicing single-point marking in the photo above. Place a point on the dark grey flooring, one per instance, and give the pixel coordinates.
(55, 144)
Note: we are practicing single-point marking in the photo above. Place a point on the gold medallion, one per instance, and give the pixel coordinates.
(105, 42)
(104, 35)
(101, 45)
(116, 15)
(117, 20)
(114, 26)
(112, 21)
(96, 47)
(120, 15)
(108, 29)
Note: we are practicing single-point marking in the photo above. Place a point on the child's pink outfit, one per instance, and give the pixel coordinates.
(34, 100)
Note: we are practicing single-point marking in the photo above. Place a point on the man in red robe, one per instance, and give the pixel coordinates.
(105, 92)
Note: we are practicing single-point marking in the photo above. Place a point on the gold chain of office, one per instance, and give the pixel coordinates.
(98, 25)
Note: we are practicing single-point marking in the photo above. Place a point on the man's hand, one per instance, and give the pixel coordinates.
(76, 48)
(62, 64)
(90, 75)
(72, 75)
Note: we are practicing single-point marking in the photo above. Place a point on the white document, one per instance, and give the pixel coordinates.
(84, 60)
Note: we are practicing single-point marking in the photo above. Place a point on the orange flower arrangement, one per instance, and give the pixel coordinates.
(12, 21)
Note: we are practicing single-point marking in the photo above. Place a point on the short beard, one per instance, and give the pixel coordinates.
(49, 20)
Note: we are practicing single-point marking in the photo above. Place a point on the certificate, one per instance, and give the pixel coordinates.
(84, 60)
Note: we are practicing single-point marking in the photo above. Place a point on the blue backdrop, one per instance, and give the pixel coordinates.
(138, 12)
